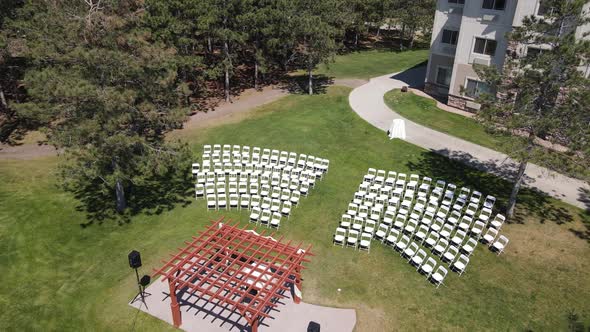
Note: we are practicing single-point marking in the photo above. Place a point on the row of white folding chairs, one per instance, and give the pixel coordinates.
(309, 163)
(428, 213)
(265, 156)
(306, 176)
(410, 225)
(267, 217)
(216, 202)
(353, 239)
(396, 195)
(253, 170)
(252, 188)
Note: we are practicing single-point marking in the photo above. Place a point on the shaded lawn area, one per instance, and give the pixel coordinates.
(58, 275)
(425, 112)
(372, 63)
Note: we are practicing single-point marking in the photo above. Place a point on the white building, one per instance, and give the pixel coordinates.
(468, 32)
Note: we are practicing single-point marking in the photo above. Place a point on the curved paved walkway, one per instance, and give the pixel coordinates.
(367, 101)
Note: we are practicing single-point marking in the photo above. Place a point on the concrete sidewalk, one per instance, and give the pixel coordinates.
(367, 101)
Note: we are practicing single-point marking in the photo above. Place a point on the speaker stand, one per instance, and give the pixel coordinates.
(142, 294)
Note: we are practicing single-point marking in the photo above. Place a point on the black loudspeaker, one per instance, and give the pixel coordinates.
(145, 280)
(134, 259)
(313, 327)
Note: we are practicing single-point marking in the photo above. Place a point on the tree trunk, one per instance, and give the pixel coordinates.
(310, 82)
(356, 39)
(516, 188)
(227, 65)
(3, 98)
(401, 37)
(121, 201)
(256, 74)
(209, 47)
(412, 31)
(226, 84)
(378, 30)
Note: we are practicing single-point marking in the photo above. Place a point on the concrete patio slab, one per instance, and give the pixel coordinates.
(200, 315)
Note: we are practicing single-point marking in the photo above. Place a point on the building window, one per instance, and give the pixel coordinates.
(443, 76)
(485, 46)
(450, 37)
(533, 52)
(475, 88)
(457, 2)
(494, 4)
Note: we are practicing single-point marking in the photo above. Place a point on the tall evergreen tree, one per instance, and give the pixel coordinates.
(103, 92)
(542, 95)
(317, 25)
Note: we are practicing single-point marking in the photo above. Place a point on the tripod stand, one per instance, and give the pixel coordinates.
(141, 284)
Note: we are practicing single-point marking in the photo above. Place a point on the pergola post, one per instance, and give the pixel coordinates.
(297, 290)
(176, 317)
(254, 325)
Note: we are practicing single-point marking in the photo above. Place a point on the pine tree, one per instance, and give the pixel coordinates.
(317, 24)
(543, 95)
(103, 92)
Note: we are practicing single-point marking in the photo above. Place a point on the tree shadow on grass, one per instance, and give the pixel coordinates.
(157, 194)
(487, 177)
(297, 84)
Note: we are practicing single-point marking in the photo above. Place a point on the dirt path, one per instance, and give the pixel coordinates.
(246, 102)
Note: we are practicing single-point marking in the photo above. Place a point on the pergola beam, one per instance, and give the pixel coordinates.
(225, 263)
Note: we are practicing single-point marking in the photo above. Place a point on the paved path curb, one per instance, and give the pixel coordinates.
(367, 101)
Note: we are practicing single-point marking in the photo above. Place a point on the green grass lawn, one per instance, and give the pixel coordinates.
(367, 64)
(58, 275)
(425, 112)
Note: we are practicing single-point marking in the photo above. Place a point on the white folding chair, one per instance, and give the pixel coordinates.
(365, 243)
(458, 238)
(410, 251)
(440, 246)
(266, 202)
(199, 190)
(465, 223)
(490, 236)
(275, 221)
(402, 243)
(275, 193)
(295, 197)
(489, 202)
(369, 227)
(245, 201)
(286, 209)
(498, 221)
(265, 217)
(352, 238)
(460, 264)
(450, 254)
(431, 240)
(477, 229)
(469, 246)
(255, 201)
(339, 237)
(439, 276)
(345, 221)
(275, 205)
(421, 233)
(221, 201)
(427, 267)
(500, 244)
(211, 202)
(358, 224)
(446, 231)
(381, 232)
(234, 201)
(392, 238)
(418, 258)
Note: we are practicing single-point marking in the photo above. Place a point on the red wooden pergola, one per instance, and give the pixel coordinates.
(228, 265)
